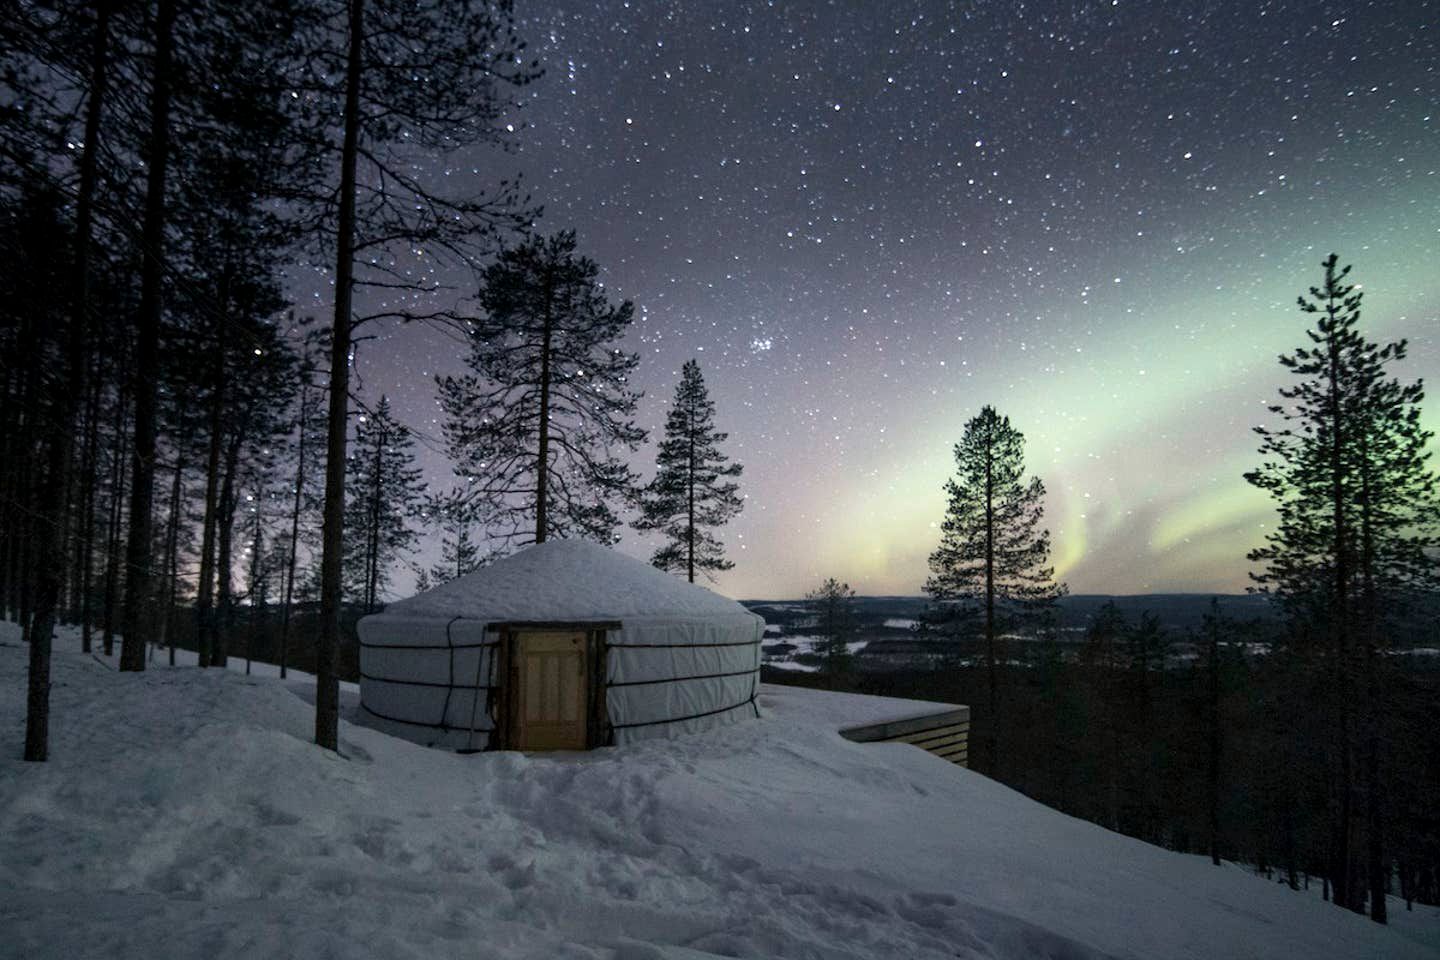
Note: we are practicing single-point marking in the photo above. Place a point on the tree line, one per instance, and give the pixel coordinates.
(1305, 746)
(179, 448)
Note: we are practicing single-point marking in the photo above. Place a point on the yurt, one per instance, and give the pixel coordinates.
(566, 645)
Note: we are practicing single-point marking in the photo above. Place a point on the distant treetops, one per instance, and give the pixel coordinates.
(535, 424)
(538, 424)
(992, 564)
(993, 557)
(693, 491)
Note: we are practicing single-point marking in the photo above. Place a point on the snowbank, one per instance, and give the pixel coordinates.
(185, 813)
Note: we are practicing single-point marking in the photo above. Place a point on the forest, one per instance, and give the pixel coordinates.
(1302, 742)
(185, 459)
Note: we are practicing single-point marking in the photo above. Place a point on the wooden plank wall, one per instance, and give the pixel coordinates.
(945, 734)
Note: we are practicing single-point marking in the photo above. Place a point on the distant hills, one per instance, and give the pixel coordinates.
(1176, 611)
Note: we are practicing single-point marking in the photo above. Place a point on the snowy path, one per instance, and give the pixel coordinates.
(186, 814)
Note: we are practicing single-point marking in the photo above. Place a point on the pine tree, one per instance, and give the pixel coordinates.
(833, 606)
(138, 607)
(384, 493)
(304, 495)
(993, 552)
(460, 553)
(38, 265)
(692, 489)
(425, 75)
(1356, 542)
(533, 426)
(54, 546)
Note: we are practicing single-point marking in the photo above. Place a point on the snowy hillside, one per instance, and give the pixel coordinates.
(186, 814)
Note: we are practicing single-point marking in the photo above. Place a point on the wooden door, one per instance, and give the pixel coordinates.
(551, 684)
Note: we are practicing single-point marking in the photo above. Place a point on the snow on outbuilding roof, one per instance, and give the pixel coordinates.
(564, 580)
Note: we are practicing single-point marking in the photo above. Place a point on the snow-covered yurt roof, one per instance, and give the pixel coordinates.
(665, 656)
(568, 580)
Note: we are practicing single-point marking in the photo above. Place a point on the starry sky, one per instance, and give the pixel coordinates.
(866, 220)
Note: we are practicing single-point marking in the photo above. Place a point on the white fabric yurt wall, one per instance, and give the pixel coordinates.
(682, 658)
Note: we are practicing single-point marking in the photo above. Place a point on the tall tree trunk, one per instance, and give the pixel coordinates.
(54, 545)
(327, 688)
(542, 465)
(992, 736)
(1112, 717)
(26, 488)
(205, 591)
(257, 596)
(372, 546)
(1376, 867)
(139, 582)
(224, 559)
(1342, 854)
(89, 467)
(114, 564)
(294, 532)
(690, 492)
(172, 560)
(1342, 857)
(9, 491)
(1213, 716)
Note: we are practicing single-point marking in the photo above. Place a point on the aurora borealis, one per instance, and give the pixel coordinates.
(867, 220)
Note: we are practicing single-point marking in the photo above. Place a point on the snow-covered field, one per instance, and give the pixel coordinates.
(186, 814)
(804, 645)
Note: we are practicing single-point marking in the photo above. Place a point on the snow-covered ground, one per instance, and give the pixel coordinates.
(67, 639)
(185, 813)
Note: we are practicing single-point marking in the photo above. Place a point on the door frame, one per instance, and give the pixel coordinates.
(596, 649)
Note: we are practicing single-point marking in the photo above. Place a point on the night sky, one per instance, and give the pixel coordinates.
(867, 219)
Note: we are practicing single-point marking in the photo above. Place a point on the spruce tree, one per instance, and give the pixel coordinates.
(534, 426)
(693, 487)
(993, 552)
(383, 496)
(460, 552)
(459, 555)
(833, 606)
(1355, 544)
